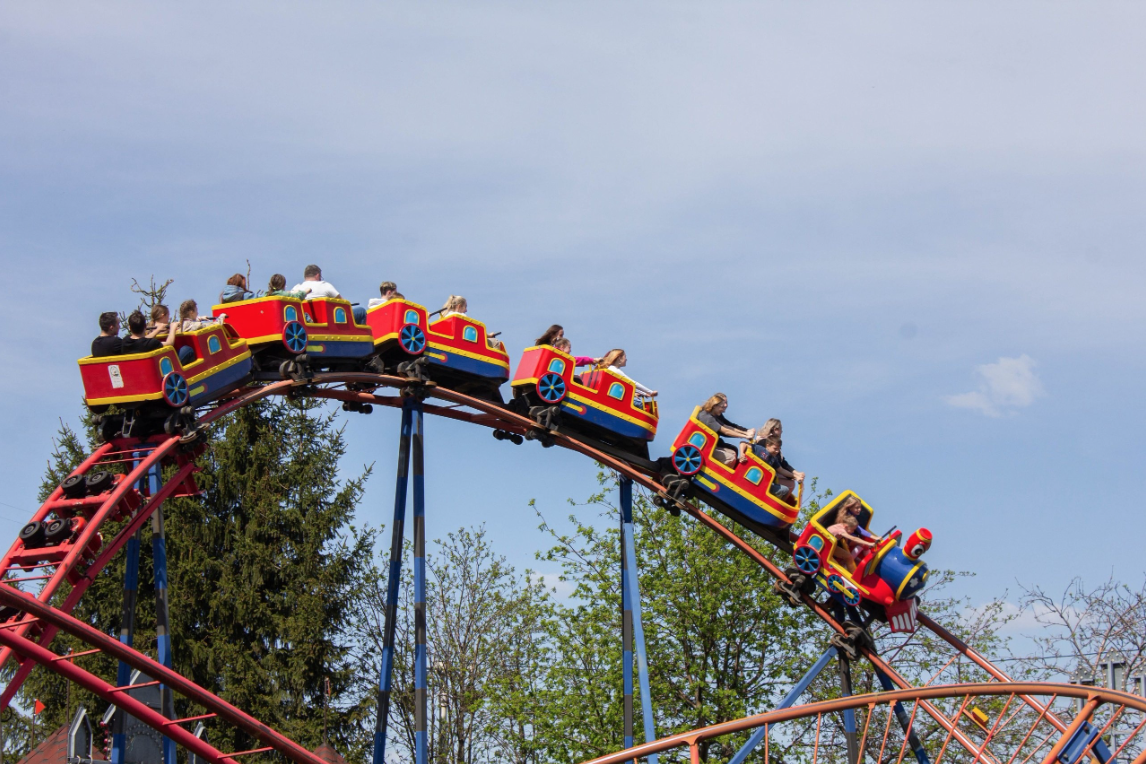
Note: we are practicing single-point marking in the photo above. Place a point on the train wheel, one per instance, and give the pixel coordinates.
(175, 389)
(57, 531)
(287, 369)
(294, 336)
(807, 560)
(99, 482)
(551, 388)
(73, 487)
(172, 424)
(687, 460)
(847, 592)
(32, 535)
(412, 339)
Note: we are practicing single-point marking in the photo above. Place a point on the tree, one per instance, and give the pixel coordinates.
(481, 619)
(720, 642)
(265, 574)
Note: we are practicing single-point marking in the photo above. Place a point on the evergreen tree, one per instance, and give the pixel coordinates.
(265, 572)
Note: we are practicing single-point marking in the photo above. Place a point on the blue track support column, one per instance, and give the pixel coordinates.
(633, 591)
(162, 612)
(394, 581)
(904, 721)
(420, 734)
(849, 714)
(626, 619)
(127, 625)
(792, 696)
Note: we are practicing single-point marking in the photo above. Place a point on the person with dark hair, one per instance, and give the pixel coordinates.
(139, 342)
(769, 452)
(277, 288)
(554, 332)
(108, 342)
(235, 290)
(388, 290)
(313, 286)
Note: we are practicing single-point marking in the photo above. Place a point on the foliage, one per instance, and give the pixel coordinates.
(265, 572)
(482, 626)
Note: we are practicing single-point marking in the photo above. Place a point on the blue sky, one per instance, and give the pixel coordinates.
(913, 232)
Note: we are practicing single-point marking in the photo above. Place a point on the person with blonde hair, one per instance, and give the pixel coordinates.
(614, 361)
(847, 543)
(712, 416)
(455, 304)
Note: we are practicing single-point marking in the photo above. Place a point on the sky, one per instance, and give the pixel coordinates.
(913, 232)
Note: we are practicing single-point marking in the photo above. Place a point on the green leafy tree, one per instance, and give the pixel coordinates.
(266, 571)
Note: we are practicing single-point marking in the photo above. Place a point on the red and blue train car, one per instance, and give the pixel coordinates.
(740, 491)
(154, 385)
(320, 333)
(598, 403)
(886, 578)
(462, 357)
(399, 328)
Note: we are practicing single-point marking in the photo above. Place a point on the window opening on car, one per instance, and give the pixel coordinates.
(617, 390)
(165, 366)
(698, 439)
(754, 475)
(411, 317)
(339, 316)
(290, 314)
(470, 334)
(213, 343)
(557, 366)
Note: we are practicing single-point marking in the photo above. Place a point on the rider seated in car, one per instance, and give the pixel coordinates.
(108, 342)
(712, 416)
(847, 543)
(769, 452)
(139, 342)
(614, 360)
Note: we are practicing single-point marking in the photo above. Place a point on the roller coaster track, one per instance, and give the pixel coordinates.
(29, 623)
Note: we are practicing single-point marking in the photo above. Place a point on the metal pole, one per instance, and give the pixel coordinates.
(395, 578)
(635, 603)
(626, 615)
(420, 740)
(792, 696)
(849, 713)
(162, 613)
(126, 636)
(904, 721)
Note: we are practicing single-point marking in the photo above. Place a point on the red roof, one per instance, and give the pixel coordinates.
(54, 750)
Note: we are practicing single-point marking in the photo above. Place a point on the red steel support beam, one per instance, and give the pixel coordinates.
(158, 671)
(126, 703)
(987, 666)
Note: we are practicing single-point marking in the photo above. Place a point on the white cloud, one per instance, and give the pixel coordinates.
(1004, 386)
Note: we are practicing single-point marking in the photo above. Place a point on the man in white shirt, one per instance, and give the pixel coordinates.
(313, 285)
(388, 290)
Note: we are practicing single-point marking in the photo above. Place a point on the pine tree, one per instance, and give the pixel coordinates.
(265, 573)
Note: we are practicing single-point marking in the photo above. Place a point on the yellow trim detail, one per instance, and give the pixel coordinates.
(612, 412)
(907, 579)
(468, 354)
(226, 365)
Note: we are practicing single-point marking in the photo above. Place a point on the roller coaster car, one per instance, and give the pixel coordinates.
(886, 578)
(399, 330)
(154, 387)
(740, 491)
(292, 333)
(600, 404)
(461, 357)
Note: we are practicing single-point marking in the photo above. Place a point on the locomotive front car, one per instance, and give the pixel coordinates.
(740, 491)
(155, 388)
(600, 404)
(461, 357)
(399, 330)
(289, 334)
(886, 578)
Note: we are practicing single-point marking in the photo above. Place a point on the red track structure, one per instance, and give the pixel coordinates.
(28, 623)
